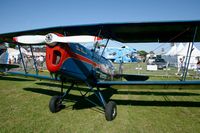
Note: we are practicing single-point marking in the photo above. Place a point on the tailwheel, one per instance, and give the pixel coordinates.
(110, 111)
(55, 104)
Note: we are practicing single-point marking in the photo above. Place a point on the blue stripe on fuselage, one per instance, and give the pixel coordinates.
(76, 69)
(79, 69)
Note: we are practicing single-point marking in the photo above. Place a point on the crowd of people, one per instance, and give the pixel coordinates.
(28, 61)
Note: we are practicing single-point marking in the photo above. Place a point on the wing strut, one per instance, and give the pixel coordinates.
(95, 43)
(25, 70)
(188, 55)
(105, 47)
(35, 64)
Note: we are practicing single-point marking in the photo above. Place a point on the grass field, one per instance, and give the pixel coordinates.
(148, 109)
(141, 68)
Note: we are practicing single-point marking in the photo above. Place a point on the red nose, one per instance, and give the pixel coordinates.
(55, 57)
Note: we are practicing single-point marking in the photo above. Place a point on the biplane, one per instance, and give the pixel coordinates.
(72, 62)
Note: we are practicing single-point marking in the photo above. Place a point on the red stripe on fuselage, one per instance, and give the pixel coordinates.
(89, 61)
(82, 58)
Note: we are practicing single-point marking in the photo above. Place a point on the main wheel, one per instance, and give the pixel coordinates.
(55, 104)
(110, 111)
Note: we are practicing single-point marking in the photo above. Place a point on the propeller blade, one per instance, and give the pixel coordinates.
(30, 39)
(81, 39)
(52, 38)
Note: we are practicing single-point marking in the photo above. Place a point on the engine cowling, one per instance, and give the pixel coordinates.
(55, 56)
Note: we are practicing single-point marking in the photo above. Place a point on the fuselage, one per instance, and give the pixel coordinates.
(76, 62)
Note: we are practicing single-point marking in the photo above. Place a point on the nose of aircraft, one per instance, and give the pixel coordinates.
(55, 57)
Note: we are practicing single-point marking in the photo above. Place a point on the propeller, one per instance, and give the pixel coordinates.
(51, 39)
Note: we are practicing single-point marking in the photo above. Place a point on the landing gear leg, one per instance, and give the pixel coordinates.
(55, 104)
(110, 108)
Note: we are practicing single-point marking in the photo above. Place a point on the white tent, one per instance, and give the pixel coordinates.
(171, 56)
(183, 52)
(172, 51)
(10, 54)
(175, 49)
(179, 50)
(194, 55)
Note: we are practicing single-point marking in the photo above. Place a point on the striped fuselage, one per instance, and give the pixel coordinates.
(74, 61)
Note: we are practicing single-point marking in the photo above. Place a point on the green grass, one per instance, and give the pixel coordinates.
(131, 68)
(148, 109)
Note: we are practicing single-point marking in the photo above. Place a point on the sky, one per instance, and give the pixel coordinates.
(20, 15)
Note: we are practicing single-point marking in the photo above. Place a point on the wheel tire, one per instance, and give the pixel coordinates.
(55, 104)
(110, 111)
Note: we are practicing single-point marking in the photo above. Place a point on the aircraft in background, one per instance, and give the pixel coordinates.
(72, 62)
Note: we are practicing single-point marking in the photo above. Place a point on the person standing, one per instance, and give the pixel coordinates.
(180, 67)
(198, 67)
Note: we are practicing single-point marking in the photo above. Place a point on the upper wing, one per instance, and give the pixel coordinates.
(124, 32)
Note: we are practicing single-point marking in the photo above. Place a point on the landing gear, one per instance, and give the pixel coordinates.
(55, 104)
(110, 111)
(110, 108)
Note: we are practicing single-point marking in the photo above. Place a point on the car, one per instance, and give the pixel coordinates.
(161, 63)
(151, 60)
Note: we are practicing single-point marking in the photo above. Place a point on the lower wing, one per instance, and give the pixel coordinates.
(126, 83)
(33, 76)
(8, 66)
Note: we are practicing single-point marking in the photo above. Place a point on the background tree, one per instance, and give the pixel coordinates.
(142, 54)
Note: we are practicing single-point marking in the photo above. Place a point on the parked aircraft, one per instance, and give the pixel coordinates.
(72, 62)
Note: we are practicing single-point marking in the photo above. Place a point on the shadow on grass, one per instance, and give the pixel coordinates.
(157, 93)
(42, 91)
(51, 84)
(81, 103)
(10, 78)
